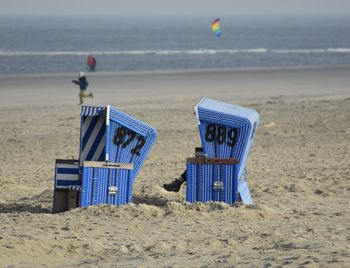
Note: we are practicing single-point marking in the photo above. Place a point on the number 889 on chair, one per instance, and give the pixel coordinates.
(220, 140)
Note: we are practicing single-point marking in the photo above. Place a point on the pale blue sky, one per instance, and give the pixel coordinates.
(174, 7)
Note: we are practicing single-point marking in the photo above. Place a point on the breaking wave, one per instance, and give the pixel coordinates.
(173, 52)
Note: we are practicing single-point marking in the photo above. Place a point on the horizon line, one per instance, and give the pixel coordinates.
(297, 14)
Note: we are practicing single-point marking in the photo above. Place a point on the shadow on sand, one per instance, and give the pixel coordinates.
(19, 208)
(150, 200)
(32, 204)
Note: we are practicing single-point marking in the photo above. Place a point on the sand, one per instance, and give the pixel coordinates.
(298, 172)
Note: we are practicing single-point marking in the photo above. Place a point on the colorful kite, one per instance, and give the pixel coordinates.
(215, 27)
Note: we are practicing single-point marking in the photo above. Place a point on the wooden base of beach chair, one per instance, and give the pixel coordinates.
(73, 199)
(64, 200)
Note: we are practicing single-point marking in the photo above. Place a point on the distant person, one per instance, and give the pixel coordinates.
(83, 84)
(91, 63)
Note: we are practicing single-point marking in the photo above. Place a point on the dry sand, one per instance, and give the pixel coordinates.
(298, 173)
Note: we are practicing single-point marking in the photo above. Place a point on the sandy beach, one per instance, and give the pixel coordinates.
(298, 172)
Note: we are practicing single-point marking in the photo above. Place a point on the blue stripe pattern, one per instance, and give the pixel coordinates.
(91, 110)
(66, 173)
(92, 137)
(97, 144)
(202, 177)
(67, 183)
(119, 154)
(244, 120)
(74, 188)
(96, 183)
(97, 137)
(72, 171)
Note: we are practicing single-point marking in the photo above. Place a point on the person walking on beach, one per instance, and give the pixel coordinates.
(83, 84)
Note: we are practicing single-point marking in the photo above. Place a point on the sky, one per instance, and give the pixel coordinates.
(174, 7)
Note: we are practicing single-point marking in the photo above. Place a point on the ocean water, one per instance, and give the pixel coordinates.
(62, 44)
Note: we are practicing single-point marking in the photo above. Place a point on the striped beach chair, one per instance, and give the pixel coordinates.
(113, 148)
(67, 173)
(107, 134)
(227, 131)
(97, 183)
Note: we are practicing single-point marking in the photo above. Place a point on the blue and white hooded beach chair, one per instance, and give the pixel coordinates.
(111, 136)
(227, 132)
(107, 134)
(113, 148)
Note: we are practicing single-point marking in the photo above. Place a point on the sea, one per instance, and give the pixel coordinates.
(61, 44)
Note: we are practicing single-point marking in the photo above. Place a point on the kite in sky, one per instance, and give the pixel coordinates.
(215, 27)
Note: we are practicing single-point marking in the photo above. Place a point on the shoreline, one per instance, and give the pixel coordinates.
(182, 71)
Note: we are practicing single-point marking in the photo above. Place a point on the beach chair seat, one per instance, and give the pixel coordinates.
(106, 183)
(212, 180)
